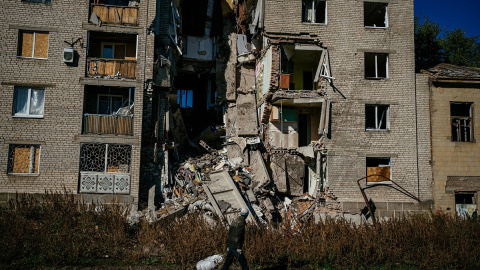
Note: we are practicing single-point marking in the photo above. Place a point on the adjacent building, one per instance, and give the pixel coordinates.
(454, 95)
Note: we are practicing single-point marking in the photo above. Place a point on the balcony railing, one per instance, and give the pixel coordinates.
(111, 68)
(108, 124)
(109, 14)
(100, 182)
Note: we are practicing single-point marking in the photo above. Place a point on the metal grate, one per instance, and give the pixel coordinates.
(105, 158)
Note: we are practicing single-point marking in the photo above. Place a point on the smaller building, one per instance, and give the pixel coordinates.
(454, 93)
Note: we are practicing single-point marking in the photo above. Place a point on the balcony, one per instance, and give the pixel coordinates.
(111, 68)
(111, 55)
(114, 12)
(108, 110)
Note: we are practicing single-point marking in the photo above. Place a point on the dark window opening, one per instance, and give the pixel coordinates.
(287, 66)
(376, 65)
(464, 198)
(377, 117)
(307, 80)
(461, 121)
(375, 14)
(314, 11)
(185, 98)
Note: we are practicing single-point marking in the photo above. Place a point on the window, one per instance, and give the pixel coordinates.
(28, 102)
(378, 169)
(23, 159)
(113, 50)
(109, 104)
(39, 1)
(376, 65)
(105, 157)
(375, 15)
(461, 121)
(377, 117)
(314, 11)
(465, 203)
(32, 44)
(185, 98)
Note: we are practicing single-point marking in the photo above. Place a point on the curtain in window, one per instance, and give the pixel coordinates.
(37, 99)
(21, 100)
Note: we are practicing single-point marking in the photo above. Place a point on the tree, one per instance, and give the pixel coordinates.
(428, 50)
(453, 47)
(460, 50)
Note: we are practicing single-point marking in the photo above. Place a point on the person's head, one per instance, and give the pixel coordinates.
(244, 212)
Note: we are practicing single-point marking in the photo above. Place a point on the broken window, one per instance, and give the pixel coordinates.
(286, 65)
(185, 98)
(105, 157)
(28, 102)
(23, 159)
(377, 117)
(375, 14)
(378, 169)
(33, 44)
(461, 121)
(314, 11)
(376, 65)
(465, 203)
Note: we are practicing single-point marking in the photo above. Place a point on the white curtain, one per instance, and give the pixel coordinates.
(37, 99)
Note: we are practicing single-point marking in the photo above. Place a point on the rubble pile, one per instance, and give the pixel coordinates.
(221, 182)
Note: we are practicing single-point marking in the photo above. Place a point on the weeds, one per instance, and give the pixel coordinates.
(59, 231)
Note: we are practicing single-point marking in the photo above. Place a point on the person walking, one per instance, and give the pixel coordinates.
(235, 239)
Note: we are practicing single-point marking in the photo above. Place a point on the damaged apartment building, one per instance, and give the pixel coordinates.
(72, 84)
(313, 98)
(298, 100)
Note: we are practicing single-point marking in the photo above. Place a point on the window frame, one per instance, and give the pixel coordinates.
(385, 17)
(114, 44)
(314, 9)
(110, 102)
(20, 43)
(377, 126)
(29, 95)
(11, 159)
(387, 56)
(38, 1)
(471, 126)
(379, 182)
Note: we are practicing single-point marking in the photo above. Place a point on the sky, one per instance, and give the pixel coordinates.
(464, 14)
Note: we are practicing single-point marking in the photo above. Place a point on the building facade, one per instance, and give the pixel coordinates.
(454, 95)
(72, 96)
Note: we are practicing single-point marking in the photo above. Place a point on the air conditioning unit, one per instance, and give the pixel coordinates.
(68, 55)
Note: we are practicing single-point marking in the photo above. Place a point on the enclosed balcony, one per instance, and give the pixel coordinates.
(108, 110)
(116, 12)
(112, 55)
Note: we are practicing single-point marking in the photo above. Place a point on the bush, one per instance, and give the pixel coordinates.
(57, 231)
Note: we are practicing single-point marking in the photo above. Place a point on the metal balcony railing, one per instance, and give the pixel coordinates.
(109, 14)
(111, 68)
(108, 124)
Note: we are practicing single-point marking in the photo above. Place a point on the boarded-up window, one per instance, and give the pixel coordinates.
(24, 159)
(33, 44)
(378, 169)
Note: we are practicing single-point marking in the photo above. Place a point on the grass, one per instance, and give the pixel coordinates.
(59, 231)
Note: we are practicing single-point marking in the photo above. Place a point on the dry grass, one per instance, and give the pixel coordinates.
(61, 231)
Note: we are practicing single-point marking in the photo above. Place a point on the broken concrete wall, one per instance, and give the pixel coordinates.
(288, 171)
(246, 122)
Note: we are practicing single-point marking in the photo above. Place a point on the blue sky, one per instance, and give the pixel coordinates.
(464, 14)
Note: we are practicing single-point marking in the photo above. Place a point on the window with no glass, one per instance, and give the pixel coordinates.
(375, 15)
(378, 169)
(28, 102)
(376, 65)
(377, 117)
(461, 117)
(39, 1)
(314, 11)
(33, 44)
(23, 159)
